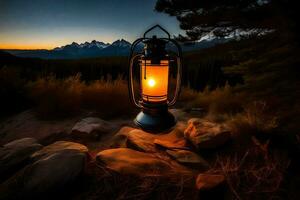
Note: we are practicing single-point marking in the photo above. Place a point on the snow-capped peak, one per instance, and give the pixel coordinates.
(121, 43)
(101, 45)
(94, 43)
(74, 44)
(82, 45)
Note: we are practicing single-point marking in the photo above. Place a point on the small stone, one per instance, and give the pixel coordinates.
(92, 127)
(209, 181)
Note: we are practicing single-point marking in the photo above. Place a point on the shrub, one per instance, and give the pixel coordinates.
(110, 98)
(257, 173)
(56, 97)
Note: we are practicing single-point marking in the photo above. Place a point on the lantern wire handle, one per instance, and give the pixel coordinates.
(145, 72)
(161, 28)
(131, 85)
(132, 58)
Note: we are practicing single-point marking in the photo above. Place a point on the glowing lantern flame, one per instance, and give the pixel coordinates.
(151, 82)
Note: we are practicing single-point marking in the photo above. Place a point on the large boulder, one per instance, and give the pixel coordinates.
(92, 127)
(139, 140)
(205, 134)
(49, 174)
(188, 158)
(128, 161)
(13, 155)
(58, 147)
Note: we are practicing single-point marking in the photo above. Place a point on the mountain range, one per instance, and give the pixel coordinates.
(99, 49)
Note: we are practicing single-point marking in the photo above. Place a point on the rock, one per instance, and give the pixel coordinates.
(136, 139)
(46, 175)
(92, 127)
(14, 154)
(173, 140)
(128, 161)
(209, 181)
(205, 134)
(189, 158)
(120, 139)
(147, 142)
(57, 147)
(169, 144)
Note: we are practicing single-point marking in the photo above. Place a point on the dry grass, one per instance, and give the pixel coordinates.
(108, 97)
(62, 97)
(101, 182)
(256, 174)
(222, 100)
(256, 118)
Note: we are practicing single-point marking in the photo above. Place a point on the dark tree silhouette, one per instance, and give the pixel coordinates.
(222, 17)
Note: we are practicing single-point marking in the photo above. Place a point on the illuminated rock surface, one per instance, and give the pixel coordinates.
(128, 161)
(58, 147)
(189, 158)
(136, 139)
(206, 134)
(209, 181)
(147, 142)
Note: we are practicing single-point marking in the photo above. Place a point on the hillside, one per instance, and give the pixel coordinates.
(249, 87)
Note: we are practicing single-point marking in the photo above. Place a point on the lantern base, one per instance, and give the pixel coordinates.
(159, 122)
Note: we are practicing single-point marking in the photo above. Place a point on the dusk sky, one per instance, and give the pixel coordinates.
(42, 24)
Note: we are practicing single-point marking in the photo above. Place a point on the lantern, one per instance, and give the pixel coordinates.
(154, 64)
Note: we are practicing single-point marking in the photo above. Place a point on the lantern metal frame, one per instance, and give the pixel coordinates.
(155, 116)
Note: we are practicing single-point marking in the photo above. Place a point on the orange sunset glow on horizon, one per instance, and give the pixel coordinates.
(48, 43)
(26, 47)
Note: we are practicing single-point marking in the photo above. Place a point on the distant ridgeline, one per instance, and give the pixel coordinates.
(202, 65)
(99, 49)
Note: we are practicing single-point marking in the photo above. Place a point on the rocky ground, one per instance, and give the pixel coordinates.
(89, 158)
